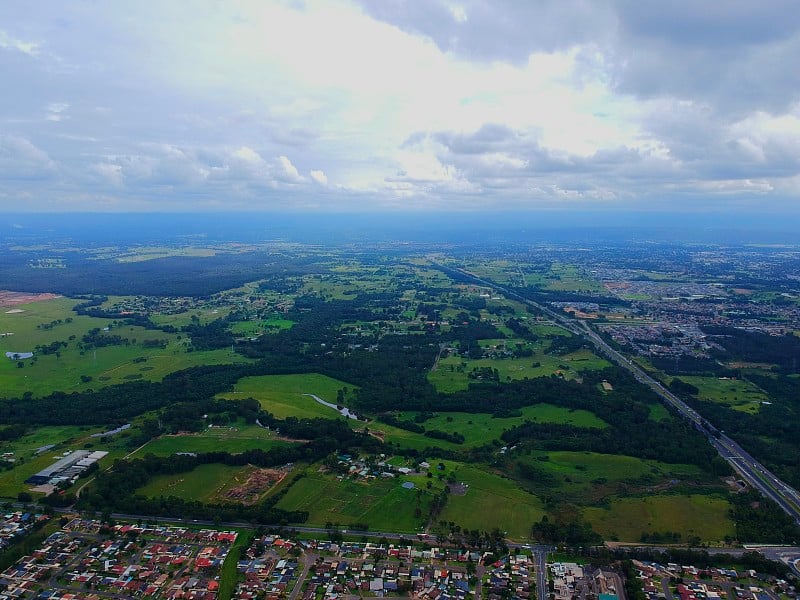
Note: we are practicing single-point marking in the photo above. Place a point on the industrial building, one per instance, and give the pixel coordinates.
(67, 468)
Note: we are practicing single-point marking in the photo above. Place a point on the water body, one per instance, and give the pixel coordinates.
(343, 411)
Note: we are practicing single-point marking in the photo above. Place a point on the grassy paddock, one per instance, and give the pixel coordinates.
(203, 483)
(382, 503)
(586, 477)
(283, 395)
(627, 518)
(452, 372)
(105, 366)
(481, 428)
(737, 394)
(492, 501)
(235, 439)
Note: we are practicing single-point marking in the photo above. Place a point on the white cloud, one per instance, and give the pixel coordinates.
(449, 102)
(319, 176)
(8, 42)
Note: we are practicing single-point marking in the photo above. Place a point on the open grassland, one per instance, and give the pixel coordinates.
(478, 428)
(482, 428)
(381, 503)
(659, 412)
(283, 395)
(627, 518)
(73, 369)
(563, 277)
(250, 328)
(204, 483)
(107, 366)
(492, 501)
(452, 372)
(586, 477)
(61, 435)
(737, 394)
(235, 439)
(142, 253)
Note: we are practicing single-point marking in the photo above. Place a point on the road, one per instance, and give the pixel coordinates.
(540, 560)
(750, 470)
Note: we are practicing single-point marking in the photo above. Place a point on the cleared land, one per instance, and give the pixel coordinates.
(382, 503)
(627, 518)
(283, 395)
(481, 428)
(738, 394)
(204, 483)
(452, 374)
(63, 370)
(492, 501)
(235, 439)
(586, 477)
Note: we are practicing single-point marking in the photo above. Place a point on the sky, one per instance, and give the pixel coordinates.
(400, 105)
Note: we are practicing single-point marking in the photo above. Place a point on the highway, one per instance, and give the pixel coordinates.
(748, 468)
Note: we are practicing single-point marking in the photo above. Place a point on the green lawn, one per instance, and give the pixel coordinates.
(283, 395)
(627, 518)
(203, 483)
(381, 503)
(492, 501)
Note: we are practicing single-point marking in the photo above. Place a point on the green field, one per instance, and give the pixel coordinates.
(235, 440)
(452, 372)
(203, 483)
(586, 477)
(492, 501)
(382, 503)
(107, 365)
(282, 395)
(658, 412)
(738, 394)
(482, 428)
(627, 518)
(250, 328)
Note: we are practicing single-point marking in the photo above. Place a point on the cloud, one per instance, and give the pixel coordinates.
(8, 42)
(447, 103)
(22, 160)
(319, 177)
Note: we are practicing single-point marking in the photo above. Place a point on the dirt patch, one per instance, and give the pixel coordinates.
(457, 489)
(257, 483)
(14, 298)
